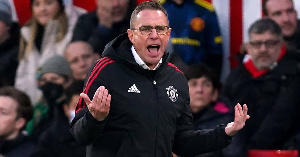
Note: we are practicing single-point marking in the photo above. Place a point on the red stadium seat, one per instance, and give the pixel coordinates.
(88, 5)
(272, 153)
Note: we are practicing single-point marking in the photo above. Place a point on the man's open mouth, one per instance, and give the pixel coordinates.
(153, 48)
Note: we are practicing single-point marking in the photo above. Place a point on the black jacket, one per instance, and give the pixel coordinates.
(57, 141)
(145, 123)
(88, 29)
(210, 117)
(20, 146)
(261, 95)
(293, 42)
(9, 51)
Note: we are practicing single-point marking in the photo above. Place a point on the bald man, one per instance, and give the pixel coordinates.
(81, 57)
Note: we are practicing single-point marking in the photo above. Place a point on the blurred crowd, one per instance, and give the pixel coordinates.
(44, 63)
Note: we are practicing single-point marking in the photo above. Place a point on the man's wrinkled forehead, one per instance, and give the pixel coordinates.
(148, 15)
(263, 36)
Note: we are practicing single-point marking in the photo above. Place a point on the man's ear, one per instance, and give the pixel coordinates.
(247, 47)
(96, 56)
(130, 35)
(21, 122)
(169, 34)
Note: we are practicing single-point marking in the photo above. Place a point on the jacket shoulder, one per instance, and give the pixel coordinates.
(204, 4)
(99, 66)
(89, 17)
(175, 68)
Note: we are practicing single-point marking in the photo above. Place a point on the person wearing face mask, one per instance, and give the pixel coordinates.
(53, 77)
(46, 34)
(57, 140)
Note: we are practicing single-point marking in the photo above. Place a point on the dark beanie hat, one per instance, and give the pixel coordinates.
(56, 64)
(60, 2)
(5, 12)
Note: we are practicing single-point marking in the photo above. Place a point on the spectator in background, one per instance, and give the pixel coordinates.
(81, 57)
(47, 33)
(208, 109)
(53, 77)
(284, 14)
(15, 111)
(195, 35)
(57, 141)
(9, 44)
(110, 19)
(268, 71)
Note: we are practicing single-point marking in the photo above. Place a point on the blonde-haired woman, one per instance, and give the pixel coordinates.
(46, 34)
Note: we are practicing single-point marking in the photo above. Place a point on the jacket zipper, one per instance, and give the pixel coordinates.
(156, 119)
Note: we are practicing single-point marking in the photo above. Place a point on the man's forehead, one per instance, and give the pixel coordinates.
(266, 34)
(151, 14)
(274, 5)
(202, 78)
(7, 103)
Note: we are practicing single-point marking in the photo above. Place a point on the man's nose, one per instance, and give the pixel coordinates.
(263, 47)
(285, 17)
(199, 88)
(153, 34)
(81, 62)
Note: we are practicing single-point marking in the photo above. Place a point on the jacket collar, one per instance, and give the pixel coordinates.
(250, 67)
(119, 49)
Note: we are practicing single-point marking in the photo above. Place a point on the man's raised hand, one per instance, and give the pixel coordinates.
(240, 117)
(100, 105)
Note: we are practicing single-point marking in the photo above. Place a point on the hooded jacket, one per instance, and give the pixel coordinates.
(149, 111)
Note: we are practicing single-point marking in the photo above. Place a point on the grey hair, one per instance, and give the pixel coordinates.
(151, 5)
(263, 25)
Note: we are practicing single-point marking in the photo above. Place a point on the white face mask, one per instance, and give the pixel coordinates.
(72, 115)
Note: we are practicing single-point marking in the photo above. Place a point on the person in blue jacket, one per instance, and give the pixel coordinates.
(136, 104)
(195, 36)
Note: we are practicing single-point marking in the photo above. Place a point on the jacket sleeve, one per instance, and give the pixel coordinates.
(188, 142)
(84, 127)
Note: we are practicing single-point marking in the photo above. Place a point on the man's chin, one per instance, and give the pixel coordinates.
(288, 33)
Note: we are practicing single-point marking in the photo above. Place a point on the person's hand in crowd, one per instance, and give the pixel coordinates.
(100, 105)
(105, 13)
(240, 117)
